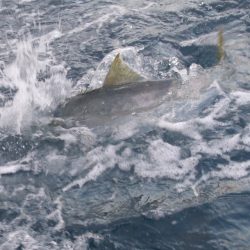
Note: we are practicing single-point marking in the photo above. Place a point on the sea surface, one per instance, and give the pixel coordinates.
(175, 176)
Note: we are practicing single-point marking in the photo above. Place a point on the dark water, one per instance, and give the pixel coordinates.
(175, 176)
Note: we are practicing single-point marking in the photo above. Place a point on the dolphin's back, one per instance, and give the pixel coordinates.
(108, 102)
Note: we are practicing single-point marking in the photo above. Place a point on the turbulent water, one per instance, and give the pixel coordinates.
(172, 177)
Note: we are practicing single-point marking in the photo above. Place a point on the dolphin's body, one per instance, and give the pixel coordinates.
(102, 105)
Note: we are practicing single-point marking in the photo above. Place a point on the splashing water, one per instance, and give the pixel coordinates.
(39, 83)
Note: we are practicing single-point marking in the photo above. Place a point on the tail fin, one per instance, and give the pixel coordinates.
(220, 45)
(120, 73)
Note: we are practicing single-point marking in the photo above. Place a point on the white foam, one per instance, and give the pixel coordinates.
(81, 241)
(160, 159)
(241, 98)
(187, 128)
(20, 237)
(32, 96)
(246, 136)
(68, 138)
(12, 169)
(234, 170)
(222, 145)
(97, 160)
(164, 159)
(216, 147)
(57, 214)
(76, 135)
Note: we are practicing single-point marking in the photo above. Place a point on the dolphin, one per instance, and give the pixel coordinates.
(124, 92)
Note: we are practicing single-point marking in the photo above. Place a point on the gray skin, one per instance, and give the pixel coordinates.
(102, 105)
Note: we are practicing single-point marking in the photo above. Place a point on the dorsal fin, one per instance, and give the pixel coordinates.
(120, 73)
(220, 45)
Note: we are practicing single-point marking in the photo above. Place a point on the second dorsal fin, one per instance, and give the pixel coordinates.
(120, 73)
(220, 46)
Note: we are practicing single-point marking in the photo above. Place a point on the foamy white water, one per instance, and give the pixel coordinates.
(33, 95)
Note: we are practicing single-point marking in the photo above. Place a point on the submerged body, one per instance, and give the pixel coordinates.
(104, 104)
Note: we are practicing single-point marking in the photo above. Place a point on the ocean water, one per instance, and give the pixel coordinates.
(175, 176)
